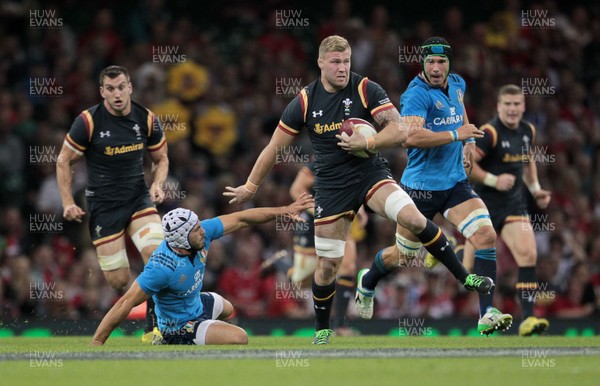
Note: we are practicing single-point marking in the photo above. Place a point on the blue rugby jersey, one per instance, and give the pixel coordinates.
(175, 281)
(437, 168)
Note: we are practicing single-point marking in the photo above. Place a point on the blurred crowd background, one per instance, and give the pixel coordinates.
(219, 77)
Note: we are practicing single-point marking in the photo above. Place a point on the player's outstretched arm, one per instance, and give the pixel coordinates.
(64, 177)
(118, 313)
(261, 168)
(160, 166)
(238, 220)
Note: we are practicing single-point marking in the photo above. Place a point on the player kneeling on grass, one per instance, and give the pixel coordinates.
(173, 277)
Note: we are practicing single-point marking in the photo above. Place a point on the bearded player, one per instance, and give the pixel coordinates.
(439, 146)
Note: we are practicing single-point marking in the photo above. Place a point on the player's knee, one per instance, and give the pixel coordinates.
(526, 257)
(327, 269)
(484, 237)
(118, 281)
(411, 219)
(227, 310)
(347, 269)
(239, 336)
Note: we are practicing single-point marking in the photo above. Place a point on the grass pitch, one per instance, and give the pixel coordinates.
(287, 361)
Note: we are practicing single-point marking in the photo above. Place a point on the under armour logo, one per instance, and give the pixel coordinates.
(444, 247)
(104, 134)
(320, 308)
(505, 144)
(317, 113)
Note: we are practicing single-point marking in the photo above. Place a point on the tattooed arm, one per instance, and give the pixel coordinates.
(392, 134)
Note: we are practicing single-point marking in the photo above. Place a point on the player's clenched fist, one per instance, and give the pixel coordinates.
(157, 195)
(73, 213)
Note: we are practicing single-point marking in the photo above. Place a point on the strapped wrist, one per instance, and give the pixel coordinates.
(454, 135)
(490, 180)
(534, 187)
(250, 186)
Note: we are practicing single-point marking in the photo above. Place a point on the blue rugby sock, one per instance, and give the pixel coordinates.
(485, 265)
(377, 272)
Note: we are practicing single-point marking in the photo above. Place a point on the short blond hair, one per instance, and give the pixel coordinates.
(509, 89)
(333, 43)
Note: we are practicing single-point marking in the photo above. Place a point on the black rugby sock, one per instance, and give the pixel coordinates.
(437, 244)
(526, 290)
(323, 299)
(150, 316)
(344, 288)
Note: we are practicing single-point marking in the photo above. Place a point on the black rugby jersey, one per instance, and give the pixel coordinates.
(505, 150)
(322, 113)
(114, 150)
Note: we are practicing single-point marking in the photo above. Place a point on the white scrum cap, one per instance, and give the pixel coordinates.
(177, 225)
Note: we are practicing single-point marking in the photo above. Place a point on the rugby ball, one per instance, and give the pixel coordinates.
(364, 128)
